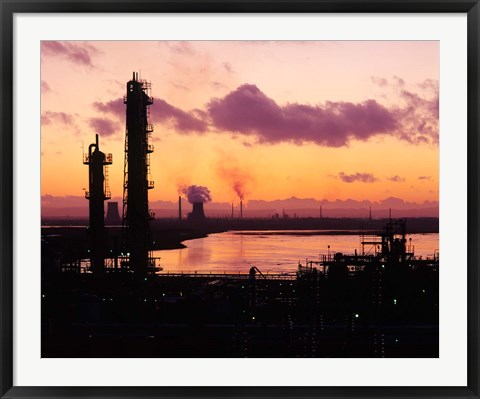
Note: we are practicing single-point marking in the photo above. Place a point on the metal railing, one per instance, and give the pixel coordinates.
(230, 276)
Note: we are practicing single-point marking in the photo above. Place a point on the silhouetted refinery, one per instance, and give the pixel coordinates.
(104, 294)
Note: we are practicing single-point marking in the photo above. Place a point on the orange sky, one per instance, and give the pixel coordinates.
(327, 120)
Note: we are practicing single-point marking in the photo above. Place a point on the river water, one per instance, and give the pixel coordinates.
(270, 251)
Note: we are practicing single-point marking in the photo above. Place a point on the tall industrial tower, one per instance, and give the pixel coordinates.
(136, 178)
(97, 193)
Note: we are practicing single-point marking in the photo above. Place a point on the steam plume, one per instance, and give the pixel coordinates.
(197, 194)
(236, 178)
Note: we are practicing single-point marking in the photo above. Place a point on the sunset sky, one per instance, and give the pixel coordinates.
(324, 120)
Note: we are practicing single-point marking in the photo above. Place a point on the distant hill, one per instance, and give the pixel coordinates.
(77, 207)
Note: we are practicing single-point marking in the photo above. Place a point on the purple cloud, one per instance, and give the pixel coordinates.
(422, 139)
(396, 179)
(398, 81)
(60, 120)
(181, 48)
(424, 178)
(419, 111)
(161, 112)
(45, 87)
(104, 127)
(218, 86)
(50, 117)
(248, 110)
(430, 85)
(415, 101)
(76, 53)
(357, 177)
(228, 67)
(419, 117)
(382, 82)
(179, 86)
(181, 120)
(114, 107)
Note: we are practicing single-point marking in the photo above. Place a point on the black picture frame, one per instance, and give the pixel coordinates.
(7, 202)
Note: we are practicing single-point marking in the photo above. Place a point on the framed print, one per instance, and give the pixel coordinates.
(239, 199)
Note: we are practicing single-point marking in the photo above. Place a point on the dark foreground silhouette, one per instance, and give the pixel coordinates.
(380, 305)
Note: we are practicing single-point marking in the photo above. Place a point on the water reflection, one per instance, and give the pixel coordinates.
(271, 252)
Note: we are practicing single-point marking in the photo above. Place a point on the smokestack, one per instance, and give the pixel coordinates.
(232, 210)
(179, 207)
(241, 210)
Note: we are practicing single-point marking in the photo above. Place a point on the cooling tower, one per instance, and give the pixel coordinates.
(197, 214)
(113, 216)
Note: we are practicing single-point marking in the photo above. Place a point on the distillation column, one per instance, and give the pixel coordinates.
(136, 214)
(97, 193)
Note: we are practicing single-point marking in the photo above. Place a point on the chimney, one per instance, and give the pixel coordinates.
(241, 210)
(179, 207)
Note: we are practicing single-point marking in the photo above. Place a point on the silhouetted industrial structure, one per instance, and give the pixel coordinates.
(179, 207)
(136, 238)
(113, 215)
(379, 302)
(97, 193)
(197, 214)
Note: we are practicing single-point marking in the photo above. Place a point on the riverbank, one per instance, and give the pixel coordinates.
(211, 225)
(70, 236)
